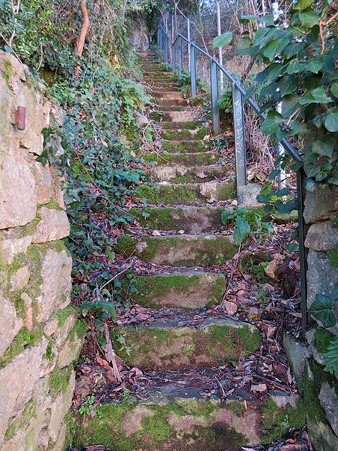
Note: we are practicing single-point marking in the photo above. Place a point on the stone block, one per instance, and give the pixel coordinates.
(20, 278)
(11, 244)
(44, 183)
(329, 401)
(170, 345)
(15, 392)
(56, 283)
(17, 206)
(71, 348)
(322, 237)
(52, 226)
(297, 352)
(10, 324)
(320, 203)
(321, 276)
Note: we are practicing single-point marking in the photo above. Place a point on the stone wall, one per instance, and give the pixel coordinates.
(320, 388)
(39, 334)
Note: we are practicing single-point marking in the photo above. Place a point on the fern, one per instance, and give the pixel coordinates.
(331, 357)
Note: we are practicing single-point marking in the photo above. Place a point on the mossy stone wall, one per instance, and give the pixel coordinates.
(40, 335)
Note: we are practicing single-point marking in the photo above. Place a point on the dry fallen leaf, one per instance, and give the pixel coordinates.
(259, 388)
(230, 307)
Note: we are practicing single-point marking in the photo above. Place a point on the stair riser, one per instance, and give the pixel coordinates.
(190, 159)
(184, 174)
(190, 220)
(184, 146)
(184, 134)
(179, 290)
(180, 250)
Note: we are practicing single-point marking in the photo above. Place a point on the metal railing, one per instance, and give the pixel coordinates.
(172, 52)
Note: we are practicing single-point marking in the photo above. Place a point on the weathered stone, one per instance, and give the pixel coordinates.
(214, 341)
(11, 245)
(188, 219)
(180, 250)
(17, 206)
(187, 174)
(59, 408)
(52, 226)
(329, 401)
(190, 159)
(247, 195)
(321, 276)
(322, 236)
(10, 323)
(297, 353)
(71, 348)
(56, 283)
(180, 290)
(320, 203)
(321, 435)
(20, 278)
(44, 183)
(15, 392)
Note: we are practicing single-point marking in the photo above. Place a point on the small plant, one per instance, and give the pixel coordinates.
(87, 405)
(323, 310)
(225, 101)
(247, 222)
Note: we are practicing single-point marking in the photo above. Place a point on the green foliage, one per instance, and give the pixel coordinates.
(87, 405)
(301, 66)
(323, 309)
(225, 101)
(247, 222)
(222, 40)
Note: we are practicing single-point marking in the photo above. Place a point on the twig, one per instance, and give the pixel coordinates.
(110, 354)
(116, 275)
(83, 34)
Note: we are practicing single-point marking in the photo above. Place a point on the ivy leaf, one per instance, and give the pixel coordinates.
(309, 18)
(317, 95)
(321, 309)
(331, 120)
(272, 123)
(294, 67)
(324, 148)
(287, 85)
(222, 40)
(248, 18)
(315, 65)
(226, 216)
(242, 230)
(331, 356)
(334, 89)
(302, 4)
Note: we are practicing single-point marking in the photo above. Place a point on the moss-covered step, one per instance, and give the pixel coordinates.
(186, 193)
(191, 159)
(179, 250)
(186, 174)
(186, 290)
(167, 345)
(172, 102)
(173, 418)
(180, 134)
(184, 145)
(183, 125)
(189, 219)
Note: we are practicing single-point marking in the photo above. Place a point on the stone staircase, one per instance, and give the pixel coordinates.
(188, 344)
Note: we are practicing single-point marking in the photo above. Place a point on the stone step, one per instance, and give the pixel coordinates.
(164, 102)
(184, 145)
(186, 193)
(190, 219)
(186, 290)
(182, 134)
(170, 95)
(186, 159)
(172, 345)
(173, 414)
(186, 174)
(179, 250)
(182, 125)
(179, 115)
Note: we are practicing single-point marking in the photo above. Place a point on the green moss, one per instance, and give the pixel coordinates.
(193, 159)
(52, 204)
(236, 407)
(170, 125)
(199, 408)
(50, 350)
(7, 71)
(277, 421)
(157, 426)
(176, 135)
(23, 340)
(322, 339)
(226, 192)
(234, 341)
(59, 379)
(171, 194)
(125, 245)
(333, 257)
(21, 422)
(19, 303)
(202, 132)
(79, 330)
(155, 116)
(63, 314)
(184, 146)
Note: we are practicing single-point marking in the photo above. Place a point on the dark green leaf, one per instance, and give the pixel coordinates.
(331, 120)
(302, 4)
(331, 356)
(309, 18)
(334, 89)
(315, 64)
(317, 95)
(272, 123)
(242, 230)
(321, 309)
(222, 40)
(324, 148)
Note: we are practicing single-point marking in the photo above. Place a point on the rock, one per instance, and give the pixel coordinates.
(20, 278)
(52, 226)
(56, 283)
(322, 236)
(17, 207)
(329, 401)
(10, 323)
(44, 183)
(321, 276)
(11, 245)
(297, 353)
(320, 203)
(321, 435)
(247, 195)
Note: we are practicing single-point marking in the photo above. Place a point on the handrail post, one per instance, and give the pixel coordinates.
(240, 154)
(179, 45)
(166, 50)
(174, 56)
(214, 96)
(189, 41)
(193, 71)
